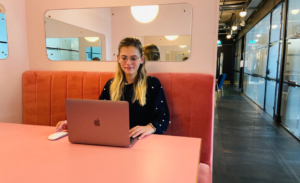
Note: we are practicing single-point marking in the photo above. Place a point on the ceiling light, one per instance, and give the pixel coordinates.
(171, 38)
(258, 35)
(144, 14)
(295, 11)
(92, 39)
(243, 23)
(182, 46)
(228, 36)
(234, 27)
(274, 26)
(243, 13)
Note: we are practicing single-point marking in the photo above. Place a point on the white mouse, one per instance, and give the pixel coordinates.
(57, 135)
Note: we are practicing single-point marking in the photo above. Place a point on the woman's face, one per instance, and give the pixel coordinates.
(130, 60)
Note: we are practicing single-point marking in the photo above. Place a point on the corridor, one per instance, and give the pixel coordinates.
(249, 147)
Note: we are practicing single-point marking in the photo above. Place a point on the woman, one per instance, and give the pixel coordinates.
(148, 109)
(151, 52)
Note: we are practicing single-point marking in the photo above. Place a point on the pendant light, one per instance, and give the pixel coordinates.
(234, 27)
(144, 14)
(243, 13)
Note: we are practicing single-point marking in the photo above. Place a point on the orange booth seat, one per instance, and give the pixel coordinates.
(189, 97)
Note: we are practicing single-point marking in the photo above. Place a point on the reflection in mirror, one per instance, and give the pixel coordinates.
(167, 27)
(3, 34)
(93, 53)
(71, 48)
(169, 48)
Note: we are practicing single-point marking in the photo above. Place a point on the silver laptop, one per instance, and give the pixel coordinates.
(98, 122)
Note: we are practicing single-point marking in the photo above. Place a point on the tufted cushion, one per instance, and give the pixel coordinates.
(189, 97)
(204, 173)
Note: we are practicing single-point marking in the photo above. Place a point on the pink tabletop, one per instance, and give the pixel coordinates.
(26, 155)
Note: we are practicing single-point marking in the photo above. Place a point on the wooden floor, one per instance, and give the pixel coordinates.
(249, 147)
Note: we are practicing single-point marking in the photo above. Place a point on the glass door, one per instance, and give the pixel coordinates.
(273, 66)
(256, 57)
(290, 101)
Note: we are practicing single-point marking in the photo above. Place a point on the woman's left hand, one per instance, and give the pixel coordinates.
(140, 130)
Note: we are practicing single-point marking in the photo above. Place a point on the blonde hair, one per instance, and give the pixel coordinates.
(151, 52)
(140, 82)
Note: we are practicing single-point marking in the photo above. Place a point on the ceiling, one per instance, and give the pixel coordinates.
(229, 14)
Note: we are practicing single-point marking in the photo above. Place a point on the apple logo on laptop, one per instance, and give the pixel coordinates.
(97, 122)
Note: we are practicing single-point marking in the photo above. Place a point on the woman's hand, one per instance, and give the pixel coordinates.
(62, 126)
(140, 130)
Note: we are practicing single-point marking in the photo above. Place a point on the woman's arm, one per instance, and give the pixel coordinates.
(105, 92)
(160, 117)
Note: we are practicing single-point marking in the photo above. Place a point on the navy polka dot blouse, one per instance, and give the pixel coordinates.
(155, 110)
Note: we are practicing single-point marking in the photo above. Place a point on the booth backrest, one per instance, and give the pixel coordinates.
(189, 97)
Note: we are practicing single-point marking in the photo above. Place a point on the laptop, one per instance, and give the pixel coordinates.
(99, 122)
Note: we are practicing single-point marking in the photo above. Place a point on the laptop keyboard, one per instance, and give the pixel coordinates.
(133, 139)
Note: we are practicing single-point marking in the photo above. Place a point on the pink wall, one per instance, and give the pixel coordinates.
(11, 68)
(203, 48)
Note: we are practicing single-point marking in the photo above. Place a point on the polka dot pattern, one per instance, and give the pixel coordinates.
(155, 110)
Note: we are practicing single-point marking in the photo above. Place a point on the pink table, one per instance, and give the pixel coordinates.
(26, 155)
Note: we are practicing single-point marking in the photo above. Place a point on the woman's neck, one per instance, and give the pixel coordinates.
(130, 78)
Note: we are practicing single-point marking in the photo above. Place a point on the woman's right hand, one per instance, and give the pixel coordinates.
(62, 126)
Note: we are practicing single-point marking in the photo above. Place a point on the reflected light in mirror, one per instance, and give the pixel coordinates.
(274, 26)
(295, 11)
(258, 35)
(189, 51)
(92, 39)
(182, 46)
(171, 38)
(3, 34)
(144, 14)
(256, 40)
(228, 36)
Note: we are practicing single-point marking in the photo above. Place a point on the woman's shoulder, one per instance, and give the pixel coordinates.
(153, 81)
(109, 82)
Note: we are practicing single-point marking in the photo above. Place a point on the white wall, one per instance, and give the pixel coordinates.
(12, 68)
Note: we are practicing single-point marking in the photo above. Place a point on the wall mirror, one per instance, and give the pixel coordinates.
(94, 34)
(81, 48)
(3, 34)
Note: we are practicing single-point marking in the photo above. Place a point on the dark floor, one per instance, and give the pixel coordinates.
(249, 147)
